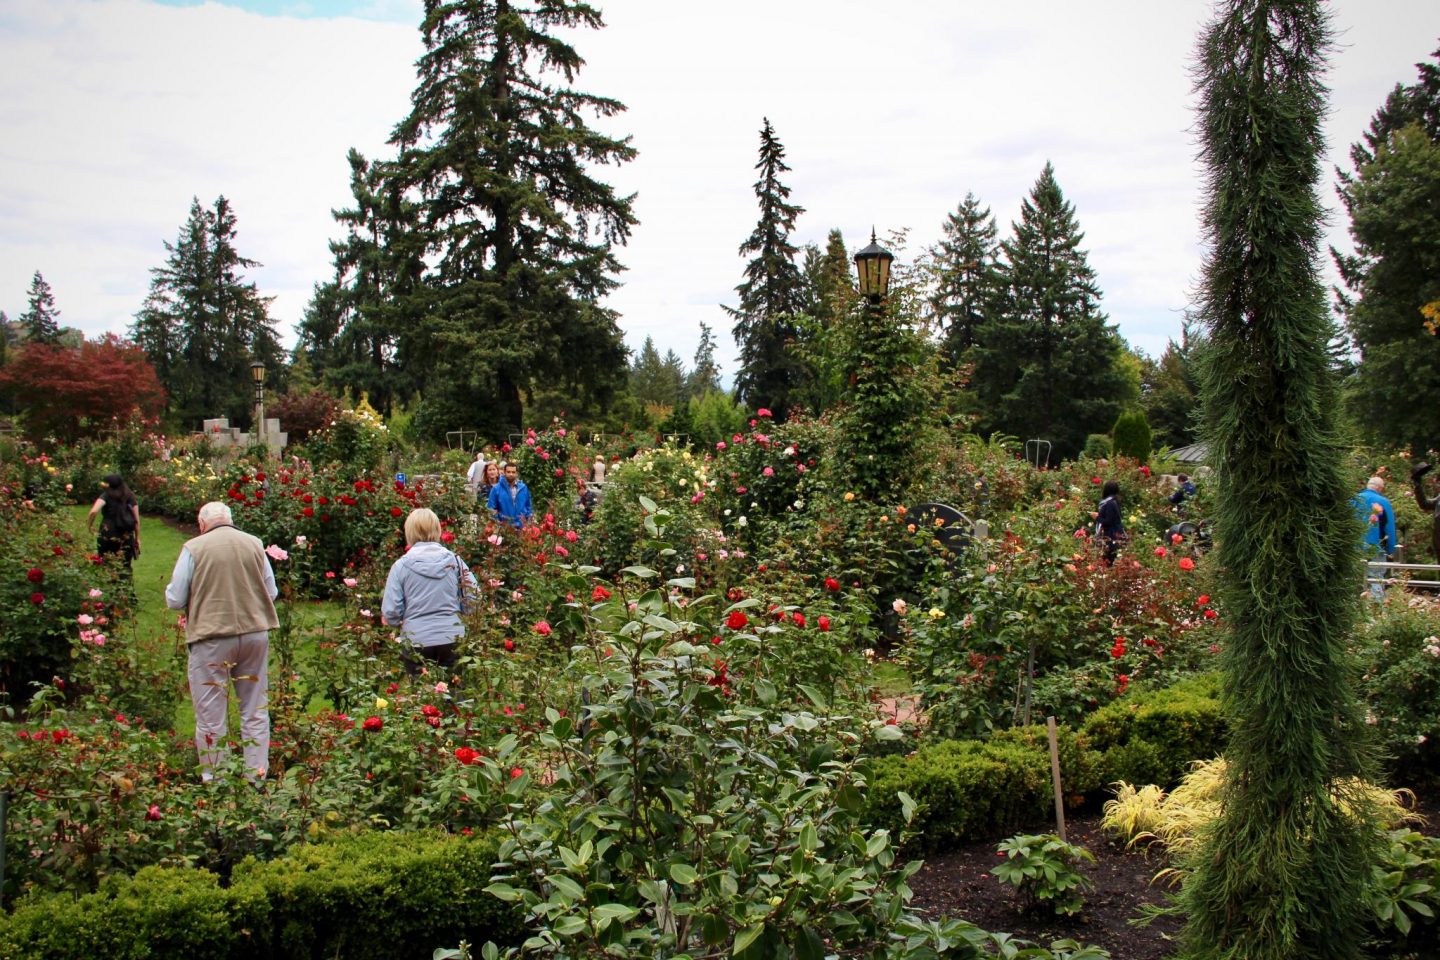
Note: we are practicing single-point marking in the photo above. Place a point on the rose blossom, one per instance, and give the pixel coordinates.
(276, 552)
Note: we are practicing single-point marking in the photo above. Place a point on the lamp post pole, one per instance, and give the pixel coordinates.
(870, 419)
(257, 374)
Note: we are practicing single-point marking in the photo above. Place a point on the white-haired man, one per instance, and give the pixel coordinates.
(1379, 543)
(224, 583)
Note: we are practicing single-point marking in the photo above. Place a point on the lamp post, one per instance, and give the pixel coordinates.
(873, 265)
(257, 374)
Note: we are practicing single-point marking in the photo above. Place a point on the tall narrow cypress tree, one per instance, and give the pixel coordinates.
(1281, 874)
(772, 293)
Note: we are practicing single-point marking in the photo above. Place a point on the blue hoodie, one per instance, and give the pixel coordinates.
(427, 591)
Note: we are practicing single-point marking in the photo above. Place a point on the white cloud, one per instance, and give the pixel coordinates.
(118, 111)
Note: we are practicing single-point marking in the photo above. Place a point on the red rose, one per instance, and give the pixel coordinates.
(1186, 563)
(1161, 551)
(600, 594)
(542, 628)
(37, 598)
(447, 537)
(308, 512)
(372, 724)
(832, 584)
(153, 813)
(430, 710)
(799, 619)
(823, 623)
(509, 644)
(737, 620)
(396, 511)
(35, 575)
(1203, 599)
(1211, 614)
(516, 773)
(1094, 479)
(466, 755)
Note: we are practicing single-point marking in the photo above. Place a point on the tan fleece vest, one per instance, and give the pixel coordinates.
(227, 590)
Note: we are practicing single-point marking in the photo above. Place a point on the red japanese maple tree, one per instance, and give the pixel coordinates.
(69, 392)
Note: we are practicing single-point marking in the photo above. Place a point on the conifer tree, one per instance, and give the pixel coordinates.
(1170, 391)
(705, 374)
(1283, 872)
(352, 329)
(772, 293)
(829, 306)
(1393, 199)
(40, 321)
(657, 380)
(4, 338)
(966, 277)
(203, 323)
(1047, 362)
(518, 235)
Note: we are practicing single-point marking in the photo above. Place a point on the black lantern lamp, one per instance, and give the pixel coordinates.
(873, 264)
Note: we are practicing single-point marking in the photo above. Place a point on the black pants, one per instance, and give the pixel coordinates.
(417, 658)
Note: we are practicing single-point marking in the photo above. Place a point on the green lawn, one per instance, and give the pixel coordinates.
(160, 545)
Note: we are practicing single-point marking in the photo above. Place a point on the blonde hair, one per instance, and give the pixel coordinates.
(422, 526)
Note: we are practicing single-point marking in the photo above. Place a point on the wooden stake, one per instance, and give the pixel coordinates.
(1055, 778)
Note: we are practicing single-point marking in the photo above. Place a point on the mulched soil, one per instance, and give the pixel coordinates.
(959, 884)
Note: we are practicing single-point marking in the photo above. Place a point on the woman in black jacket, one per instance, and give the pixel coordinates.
(119, 520)
(1108, 522)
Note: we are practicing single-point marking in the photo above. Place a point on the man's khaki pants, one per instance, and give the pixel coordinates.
(214, 665)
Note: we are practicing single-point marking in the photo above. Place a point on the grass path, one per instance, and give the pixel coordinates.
(160, 544)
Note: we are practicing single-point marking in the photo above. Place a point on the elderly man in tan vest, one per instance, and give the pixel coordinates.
(224, 583)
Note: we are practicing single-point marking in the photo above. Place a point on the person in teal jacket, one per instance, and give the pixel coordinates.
(510, 499)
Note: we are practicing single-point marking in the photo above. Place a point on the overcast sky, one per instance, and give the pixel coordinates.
(116, 112)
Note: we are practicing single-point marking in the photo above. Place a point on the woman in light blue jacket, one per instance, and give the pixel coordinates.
(428, 590)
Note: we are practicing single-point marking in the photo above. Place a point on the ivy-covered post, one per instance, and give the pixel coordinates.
(1282, 873)
(875, 433)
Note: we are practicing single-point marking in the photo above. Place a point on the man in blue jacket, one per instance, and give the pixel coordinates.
(510, 499)
(1380, 544)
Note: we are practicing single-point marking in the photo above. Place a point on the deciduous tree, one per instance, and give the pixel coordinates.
(68, 392)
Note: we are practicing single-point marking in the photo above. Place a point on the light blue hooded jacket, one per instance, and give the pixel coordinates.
(427, 591)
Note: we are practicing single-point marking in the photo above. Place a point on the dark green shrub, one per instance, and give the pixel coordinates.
(367, 895)
(372, 895)
(971, 790)
(1151, 736)
(1130, 437)
(1097, 446)
(160, 912)
(1399, 652)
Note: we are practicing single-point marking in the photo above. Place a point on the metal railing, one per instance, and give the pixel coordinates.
(1431, 568)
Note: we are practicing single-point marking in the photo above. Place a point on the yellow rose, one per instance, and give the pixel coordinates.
(381, 703)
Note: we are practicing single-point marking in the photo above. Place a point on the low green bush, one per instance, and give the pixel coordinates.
(970, 790)
(361, 896)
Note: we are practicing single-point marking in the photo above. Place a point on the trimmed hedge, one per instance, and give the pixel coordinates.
(970, 790)
(362, 897)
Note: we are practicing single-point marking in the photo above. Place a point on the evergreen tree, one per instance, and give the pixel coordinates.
(1170, 389)
(4, 338)
(1047, 363)
(966, 275)
(1131, 437)
(352, 329)
(203, 324)
(40, 320)
(772, 293)
(705, 375)
(656, 380)
(1283, 873)
(1393, 199)
(517, 235)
